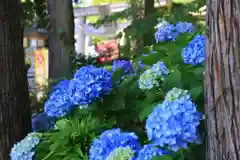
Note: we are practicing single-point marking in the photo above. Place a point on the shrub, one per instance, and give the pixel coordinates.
(157, 105)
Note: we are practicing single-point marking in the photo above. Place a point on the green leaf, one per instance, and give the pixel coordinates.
(118, 104)
(151, 95)
(198, 71)
(164, 157)
(173, 80)
(117, 75)
(146, 110)
(151, 59)
(196, 91)
(60, 124)
(183, 39)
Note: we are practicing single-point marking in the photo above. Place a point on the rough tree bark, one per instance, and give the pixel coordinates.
(222, 80)
(15, 117)
(61, 17)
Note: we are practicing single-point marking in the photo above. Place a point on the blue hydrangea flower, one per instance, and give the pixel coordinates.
(88, 84)
(163, 22)
(153, 51)
(83, 106)
(121, 153)
(184, 27)
(165, 33)
(81, 72)
(61, 84)
(160, 66)
(109, 141)
(194, 53)
(148, 152)
(127, 66)
(42, 123)
(140, 64)
(151, 77)
(173, 123)
(59, 103)
(144, 55)
(176, 93)
(24, 150)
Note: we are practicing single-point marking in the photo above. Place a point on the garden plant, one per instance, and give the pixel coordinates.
(148, 108)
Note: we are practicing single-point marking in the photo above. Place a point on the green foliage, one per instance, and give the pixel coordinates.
(28, 63)
(96, 39)
(35, 103)
(70, 140)
(142, 26)
(100, 2)
(127, 106)
(165, 157)
(35, 13)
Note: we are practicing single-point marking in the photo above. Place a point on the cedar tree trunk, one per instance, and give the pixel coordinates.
(61, 37)
(15, 117)
(222, 80)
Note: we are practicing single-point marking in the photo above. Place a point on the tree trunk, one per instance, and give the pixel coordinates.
(15, 117)
(149, 9)
(61, 37)
(222, 80)
(136, 44)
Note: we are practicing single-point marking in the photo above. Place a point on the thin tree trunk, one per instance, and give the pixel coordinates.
(222, 80)
(61, 18)
(15, 117)
(137, 43)
(149, 9)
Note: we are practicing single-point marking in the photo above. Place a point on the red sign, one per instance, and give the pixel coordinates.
(39, 59)
(108, 50)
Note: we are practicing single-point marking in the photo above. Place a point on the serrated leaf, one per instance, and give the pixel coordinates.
(61, 124)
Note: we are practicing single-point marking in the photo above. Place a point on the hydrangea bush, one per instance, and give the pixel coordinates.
(194, 53)
(174, 123)
(149, 151)
(177, 94)
(121, 153)
(157, 106)
(126, 66)
(184, 27)
(59, 104)
(153, 76)
(111, 140)
(88, 84)
(42, 123)
(169, 32)
(24, 150)
(166, 32)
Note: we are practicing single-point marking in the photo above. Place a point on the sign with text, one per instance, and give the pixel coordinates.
(41, 67)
